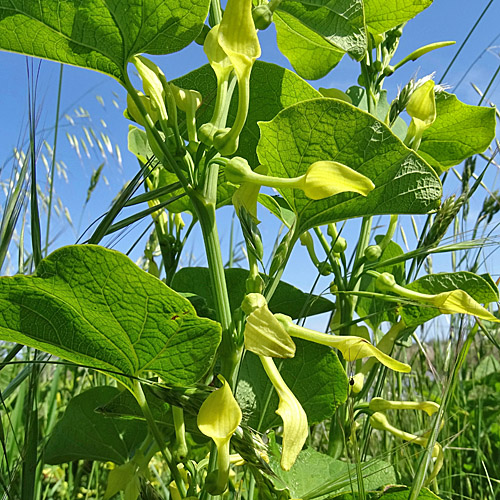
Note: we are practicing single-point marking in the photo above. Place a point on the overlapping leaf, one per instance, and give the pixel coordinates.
(286, 300)
(311, 56)
(95, 307)
(98, 34)
(339, 22)
(382, 15)
(460, 131)
(84, 434)
(329, 129)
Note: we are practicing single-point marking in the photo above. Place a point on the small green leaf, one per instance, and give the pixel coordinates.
(311, 56)
(84, 434)
(95, 307)
(460, 131)
(98, 34)
(272, 89)
(314, 375)
(480, 288)
(382, 15)
(329, 129)
(339, 22)
(286, 300)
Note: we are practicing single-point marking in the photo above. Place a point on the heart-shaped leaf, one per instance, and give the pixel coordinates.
(84, 434)
(95, 307)
(98, 34)
(333, 130)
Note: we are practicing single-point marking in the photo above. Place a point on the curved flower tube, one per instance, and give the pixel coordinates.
(295, 426)
(379, 421)
(452, 302)
(264, 334)
(352, 348)
(321, 180)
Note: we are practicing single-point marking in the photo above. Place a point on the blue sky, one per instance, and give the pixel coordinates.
(444, 20)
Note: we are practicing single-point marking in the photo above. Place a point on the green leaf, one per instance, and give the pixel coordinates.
(329, 129)
(99, 34)
(314, 375)
(382, 15)
(278, 207)
(286, 299)
(318, 476)
(311, 56)
(339, 22)
(377, 310)
(460, 131)
(358, 98)
(481, 288)
(95, 307)
(84, 434)
(272, 89)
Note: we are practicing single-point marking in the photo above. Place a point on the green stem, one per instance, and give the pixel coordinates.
(141, 400)
(53, 164)
(426, 459)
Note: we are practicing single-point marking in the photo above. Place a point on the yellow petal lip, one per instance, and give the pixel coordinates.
(219, 415)
(327, 178)
(459, 301)
(265, 335)
(295, 426)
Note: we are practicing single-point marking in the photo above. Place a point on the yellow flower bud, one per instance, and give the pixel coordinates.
(422, 105)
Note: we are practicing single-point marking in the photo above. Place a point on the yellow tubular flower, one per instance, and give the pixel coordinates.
(221, 64)
(322, 179)
(237, 37)
(352, 348)
(151, 83)
(379, 421)
(218, 418)
(264, 334)
(422, 109)
(188, 101)
(327, 178)
(379, 404)
(451, 302)
(295, 426)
